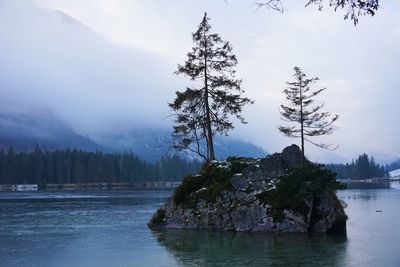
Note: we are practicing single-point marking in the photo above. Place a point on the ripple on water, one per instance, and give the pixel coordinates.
(109, 229)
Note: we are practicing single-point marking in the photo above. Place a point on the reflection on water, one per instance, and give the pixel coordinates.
(371, 239)
(201, 248)
(372, 228)
(108, 228)
(375, 184)
(88, 228)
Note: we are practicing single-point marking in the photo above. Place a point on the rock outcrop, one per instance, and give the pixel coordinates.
(239, 194)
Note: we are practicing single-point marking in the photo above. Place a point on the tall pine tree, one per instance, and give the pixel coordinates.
(310, 120)
(205, 108)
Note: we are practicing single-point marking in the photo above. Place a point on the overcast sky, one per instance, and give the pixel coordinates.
(358, 65)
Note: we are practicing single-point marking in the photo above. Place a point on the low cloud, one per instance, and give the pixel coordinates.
(51, 60)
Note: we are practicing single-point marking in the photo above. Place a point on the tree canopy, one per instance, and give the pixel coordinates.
(205, 108)
(79, 167)
(310, 120)
(364, 167)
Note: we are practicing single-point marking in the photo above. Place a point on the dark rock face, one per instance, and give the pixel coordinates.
(276, 164)
(239, 181)
(238, 207)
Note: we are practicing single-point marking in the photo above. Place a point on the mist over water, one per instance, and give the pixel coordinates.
(108, 228)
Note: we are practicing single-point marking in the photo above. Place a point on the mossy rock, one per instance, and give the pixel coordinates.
(213, 178)
(158, 219)
(299, 187)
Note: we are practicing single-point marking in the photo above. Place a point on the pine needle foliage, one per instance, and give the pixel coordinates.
(206, 108)
(310, 120)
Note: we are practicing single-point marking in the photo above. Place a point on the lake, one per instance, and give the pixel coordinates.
(108, 228)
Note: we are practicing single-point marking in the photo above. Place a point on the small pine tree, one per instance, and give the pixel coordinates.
(205, 109)
(311, 121)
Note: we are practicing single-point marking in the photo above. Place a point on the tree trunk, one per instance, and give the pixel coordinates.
(209, 130)
(210, 142)
(301, 124)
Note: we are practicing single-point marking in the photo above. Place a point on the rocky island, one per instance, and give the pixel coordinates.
(272, 194)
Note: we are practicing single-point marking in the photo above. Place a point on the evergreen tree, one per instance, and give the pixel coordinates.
(204, 110)
(37, 164)
(372, 168)
(311, 121)
(363, 168)
(2, 167)
(79, 167)
(11, 165)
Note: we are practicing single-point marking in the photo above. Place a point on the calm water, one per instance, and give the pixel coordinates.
(107, 228)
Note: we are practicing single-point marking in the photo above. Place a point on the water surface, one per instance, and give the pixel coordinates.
(108, 228)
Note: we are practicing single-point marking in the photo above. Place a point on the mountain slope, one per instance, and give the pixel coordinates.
(152, 143)
(82, 84)
(52, 61)
(25, 131)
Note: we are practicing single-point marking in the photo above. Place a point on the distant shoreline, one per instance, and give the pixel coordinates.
(115, 186)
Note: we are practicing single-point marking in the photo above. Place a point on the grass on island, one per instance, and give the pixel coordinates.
(209, 183)
(298, 186)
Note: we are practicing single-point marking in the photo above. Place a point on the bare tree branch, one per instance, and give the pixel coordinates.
(353, 8)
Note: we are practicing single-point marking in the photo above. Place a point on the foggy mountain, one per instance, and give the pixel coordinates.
(152, 143)
(51, 61)
(62, 83)
(24, 131)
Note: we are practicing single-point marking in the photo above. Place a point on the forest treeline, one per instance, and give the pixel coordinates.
(364, 167)
(75, 166)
